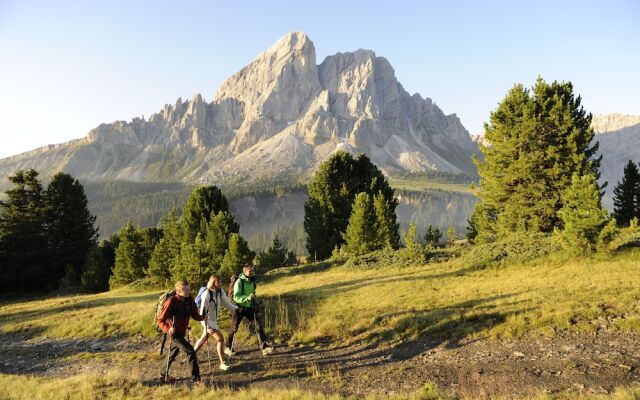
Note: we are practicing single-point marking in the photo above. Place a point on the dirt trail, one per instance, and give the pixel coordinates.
(478, 368)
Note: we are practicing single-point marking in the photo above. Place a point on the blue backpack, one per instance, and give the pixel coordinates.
(199, 296)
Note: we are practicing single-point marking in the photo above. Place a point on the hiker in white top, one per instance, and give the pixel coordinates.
(210, 307)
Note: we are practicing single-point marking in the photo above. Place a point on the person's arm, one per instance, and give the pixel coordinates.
(194, 311)
(226, 302)
(163, 318)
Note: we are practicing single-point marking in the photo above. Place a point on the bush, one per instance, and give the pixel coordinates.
(517, 248)
(626, 238)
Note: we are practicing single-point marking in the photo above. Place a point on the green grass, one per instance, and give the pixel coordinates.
(120, 312)
(115, 385)
(493, 291)
(118, 386)
(390, 301)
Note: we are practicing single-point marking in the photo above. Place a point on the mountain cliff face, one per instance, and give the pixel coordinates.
(277, 118)
(619, 138)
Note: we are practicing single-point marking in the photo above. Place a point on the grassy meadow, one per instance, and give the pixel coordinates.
(389, 299)
(405, 300)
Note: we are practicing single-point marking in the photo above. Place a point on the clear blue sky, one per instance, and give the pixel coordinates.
(67, 66)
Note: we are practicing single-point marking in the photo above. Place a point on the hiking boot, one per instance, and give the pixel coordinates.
(229, 352)
(224, 366)
(267, 350)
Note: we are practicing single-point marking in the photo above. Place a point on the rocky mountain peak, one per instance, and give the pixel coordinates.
(276, 118)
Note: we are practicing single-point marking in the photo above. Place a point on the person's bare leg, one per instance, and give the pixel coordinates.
(220, 344)
(202, 340)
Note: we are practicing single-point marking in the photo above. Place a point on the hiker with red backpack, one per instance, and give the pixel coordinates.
(209, 299)
(244, 295)
(174, 321)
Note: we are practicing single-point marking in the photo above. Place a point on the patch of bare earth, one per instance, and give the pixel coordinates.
(478, 368)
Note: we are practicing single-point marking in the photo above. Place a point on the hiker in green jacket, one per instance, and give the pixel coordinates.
(244, 295)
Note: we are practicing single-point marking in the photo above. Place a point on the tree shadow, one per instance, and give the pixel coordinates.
(420, 332)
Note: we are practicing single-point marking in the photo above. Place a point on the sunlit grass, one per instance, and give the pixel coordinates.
(117, 386)
(444, 301)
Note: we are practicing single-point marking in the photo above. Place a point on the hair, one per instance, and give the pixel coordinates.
(181, 283)
(247, 266)
(212, 278)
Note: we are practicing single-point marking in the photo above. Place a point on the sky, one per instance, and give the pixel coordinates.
(67, 66)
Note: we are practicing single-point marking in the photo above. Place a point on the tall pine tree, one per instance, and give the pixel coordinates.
(131, 261)
(626, 195)
(539, 139)
(583, 218)
(331, 196)
(237, 255)
(70, 226)
(386, 228)
(167, 250)
(203, 203)
(24, 261)
(360, 236)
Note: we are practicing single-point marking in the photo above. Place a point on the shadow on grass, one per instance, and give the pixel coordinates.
(420, 331)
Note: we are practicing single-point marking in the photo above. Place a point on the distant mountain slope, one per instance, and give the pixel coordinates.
(274, 120)
(619, 138)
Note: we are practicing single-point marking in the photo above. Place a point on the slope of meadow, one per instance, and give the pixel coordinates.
(390, 303)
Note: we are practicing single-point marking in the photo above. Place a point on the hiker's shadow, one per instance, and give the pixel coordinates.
(423, 330)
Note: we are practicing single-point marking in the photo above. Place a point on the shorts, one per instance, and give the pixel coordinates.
(209, 324)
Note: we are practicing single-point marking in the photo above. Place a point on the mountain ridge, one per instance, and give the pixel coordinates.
(276, 118)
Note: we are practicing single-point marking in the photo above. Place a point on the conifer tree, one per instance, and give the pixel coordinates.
(360, 237)
(69, 226)
(452, 235)
(274, 257)
(130, 262)
(23, 243)
(583, 217)
(626, 195)
(203, 203)
(539, 139)
(432, 236)
(237, 255)
(193, 263)
(96, 272)
(167, 250)
(413, 248)
(217, 235)
(386, 228)
(331, 196)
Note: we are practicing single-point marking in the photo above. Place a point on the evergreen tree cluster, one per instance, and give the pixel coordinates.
(626, 196)
(540, 173)
(203, 241)
(47, 236)
(345, 191)
(275, 256)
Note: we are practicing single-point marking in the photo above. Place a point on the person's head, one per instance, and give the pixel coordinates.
(214, 282)
(247, 270)
(182, 288)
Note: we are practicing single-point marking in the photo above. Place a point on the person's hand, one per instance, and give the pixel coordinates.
(171, 331)
(252, 296)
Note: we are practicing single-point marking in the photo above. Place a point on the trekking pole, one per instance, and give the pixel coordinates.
(166, 373)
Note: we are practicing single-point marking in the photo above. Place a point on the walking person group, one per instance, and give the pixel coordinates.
(178, 308)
